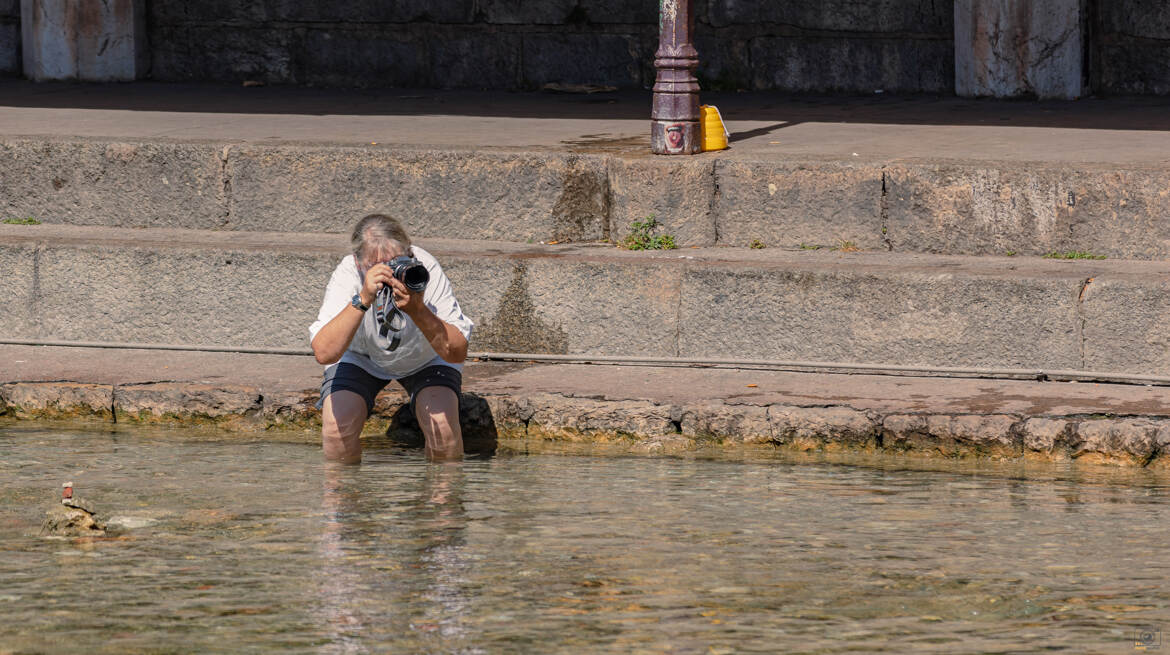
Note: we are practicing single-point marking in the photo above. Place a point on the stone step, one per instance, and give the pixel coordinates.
(103, 284)
(730, 198)
(620, 409)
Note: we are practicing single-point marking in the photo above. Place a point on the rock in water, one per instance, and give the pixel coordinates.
(73, 518)
(79, 503)
(67, 521)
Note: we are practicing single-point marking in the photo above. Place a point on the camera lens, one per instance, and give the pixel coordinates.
(416, 277)
(410, 272)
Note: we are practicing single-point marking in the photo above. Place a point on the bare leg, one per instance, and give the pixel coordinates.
(437, 411)
(342, 418)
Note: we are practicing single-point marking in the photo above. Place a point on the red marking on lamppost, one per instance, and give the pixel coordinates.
(674, 118)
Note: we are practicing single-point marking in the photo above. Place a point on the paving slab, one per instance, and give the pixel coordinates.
(762, 124)
(649, 409)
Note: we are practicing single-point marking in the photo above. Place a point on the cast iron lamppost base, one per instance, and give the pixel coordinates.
(674, 118)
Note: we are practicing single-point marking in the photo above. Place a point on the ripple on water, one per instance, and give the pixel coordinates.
(227, 546)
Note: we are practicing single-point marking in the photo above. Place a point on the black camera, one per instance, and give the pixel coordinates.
(410, 272)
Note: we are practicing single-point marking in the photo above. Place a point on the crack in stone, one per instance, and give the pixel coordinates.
(1081, 321)
(34, 292)
(88, 384)
(226, 181)
(1151, 457)
(884, 212)
(1099, 416)
(678, 312)
(712, 205)
(1049, 47)
(607, 226)
(810, 406)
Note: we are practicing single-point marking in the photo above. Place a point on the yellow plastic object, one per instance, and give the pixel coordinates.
(714, 132)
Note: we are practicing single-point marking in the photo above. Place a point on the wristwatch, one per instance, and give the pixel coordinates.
(357, 302)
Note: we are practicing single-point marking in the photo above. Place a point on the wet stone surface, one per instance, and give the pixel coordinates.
(68, 521)
(247, 545)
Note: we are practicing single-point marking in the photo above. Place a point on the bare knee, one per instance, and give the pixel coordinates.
(342, 418)
(437, 411)
(342, 425)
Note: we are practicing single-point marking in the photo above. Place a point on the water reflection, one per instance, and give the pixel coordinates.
(340, 608)
(259, 547)
(442, 521)
(359, 558)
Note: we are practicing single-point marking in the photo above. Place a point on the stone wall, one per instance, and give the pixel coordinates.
(1009, 48)
(1131, 47)
(792, 45)
(9, 37)
(797, 45)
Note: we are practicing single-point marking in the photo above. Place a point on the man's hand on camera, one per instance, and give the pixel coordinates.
(409, 302)
(378, 275)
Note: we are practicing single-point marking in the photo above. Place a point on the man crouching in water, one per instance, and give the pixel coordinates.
(418, 339)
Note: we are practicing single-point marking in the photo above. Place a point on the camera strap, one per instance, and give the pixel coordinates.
(388, 317)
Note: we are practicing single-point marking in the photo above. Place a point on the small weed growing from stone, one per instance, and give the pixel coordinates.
(809, 246)
(846, 246)
(756, 244)
(1009, 253)
(641, 237)
(21, 221)
(1073, 254)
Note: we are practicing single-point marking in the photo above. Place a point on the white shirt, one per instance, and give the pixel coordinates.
(414, 352)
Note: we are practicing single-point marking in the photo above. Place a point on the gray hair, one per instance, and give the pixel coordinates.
(378, 230)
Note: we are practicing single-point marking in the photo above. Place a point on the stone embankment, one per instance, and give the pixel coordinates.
(894, 232)
(636, 409)
(726, 199)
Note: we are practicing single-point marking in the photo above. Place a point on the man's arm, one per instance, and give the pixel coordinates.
(334, 337)
(448, 342)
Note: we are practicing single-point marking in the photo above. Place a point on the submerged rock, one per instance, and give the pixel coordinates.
(130, 522)
(74, 517)
(66, 521)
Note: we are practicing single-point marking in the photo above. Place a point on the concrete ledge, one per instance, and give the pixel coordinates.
(635, 426)
(978, 208)
(475, 195)
(263, 290)
(57, 400)
(678, 194)
(110, 182)
(787, 204)
(727, 198)
(640, 409)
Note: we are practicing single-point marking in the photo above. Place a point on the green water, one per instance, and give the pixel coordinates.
(259, 546)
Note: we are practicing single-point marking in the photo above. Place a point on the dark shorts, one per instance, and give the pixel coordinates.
(350, 377)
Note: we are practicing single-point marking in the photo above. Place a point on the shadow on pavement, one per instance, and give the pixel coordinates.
(1120, 113)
